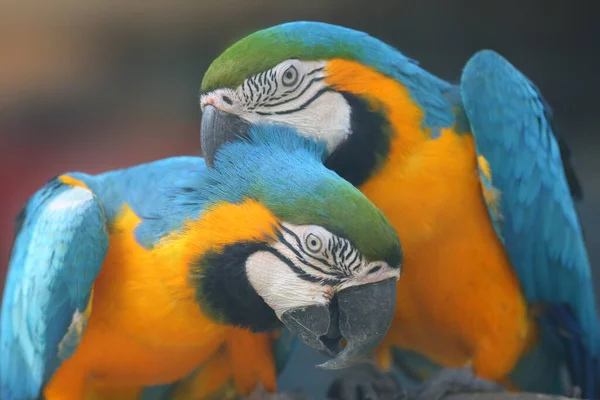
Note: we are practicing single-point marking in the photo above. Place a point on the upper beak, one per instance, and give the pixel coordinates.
(217, 128)
(361, 315)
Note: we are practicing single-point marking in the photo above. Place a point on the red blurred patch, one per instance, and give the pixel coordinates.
(24, 169)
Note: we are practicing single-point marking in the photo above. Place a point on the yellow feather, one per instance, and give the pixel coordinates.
(459, 299)
(146, 327)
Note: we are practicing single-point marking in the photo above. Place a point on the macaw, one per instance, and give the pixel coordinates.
(471, 176)
(136, 277)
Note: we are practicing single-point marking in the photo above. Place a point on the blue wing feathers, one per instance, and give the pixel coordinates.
(57, 254)
(382, 57)
(539, 225)
(155, 207)
(62, 240)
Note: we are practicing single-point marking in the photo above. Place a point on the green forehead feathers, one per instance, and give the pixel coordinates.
(262, 50)
(284, 172)
(313, 41)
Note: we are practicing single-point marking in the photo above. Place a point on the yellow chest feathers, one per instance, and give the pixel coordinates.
(146, 326)
(148, 293)
(424, 181)
(458, 299)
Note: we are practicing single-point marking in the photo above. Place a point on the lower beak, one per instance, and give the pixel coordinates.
(361, 315)
(219, 127)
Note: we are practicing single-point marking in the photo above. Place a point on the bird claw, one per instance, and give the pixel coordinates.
(363, 382)
(450, 381)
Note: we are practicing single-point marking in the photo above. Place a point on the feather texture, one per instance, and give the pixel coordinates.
(64, 237)
(538, 224)
(58, 253)
(314, 41)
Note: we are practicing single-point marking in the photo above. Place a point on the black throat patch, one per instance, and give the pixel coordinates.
(224, 292)
(368, 145)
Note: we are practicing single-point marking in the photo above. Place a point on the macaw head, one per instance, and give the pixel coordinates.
(317, 255)
(331, 83)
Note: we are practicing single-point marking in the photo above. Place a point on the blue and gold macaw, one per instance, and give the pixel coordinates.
(139, 277)
(471, 176)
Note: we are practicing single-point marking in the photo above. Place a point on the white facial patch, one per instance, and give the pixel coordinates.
(308, 265)
(279, 286)
(293, 93)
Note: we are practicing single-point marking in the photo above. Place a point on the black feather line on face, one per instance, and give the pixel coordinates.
(339, 271)
(310, 83)
(267, 81)
(270, 86)
(302, 248)
(224, 292)
(367, 147)
(314, 71)
(254, 84)
(301, 107)
(334, 278)
(300, 257)
(249, 88)
(296, 86)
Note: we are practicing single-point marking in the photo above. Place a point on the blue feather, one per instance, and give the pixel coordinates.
(423, 86)
(63, 239)
(240, 170)
(57, 255)
(540, 228)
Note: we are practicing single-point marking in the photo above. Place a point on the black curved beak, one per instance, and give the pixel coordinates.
(219, 127)
(361, 315)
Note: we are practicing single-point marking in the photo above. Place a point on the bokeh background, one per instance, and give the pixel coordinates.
(99, 84)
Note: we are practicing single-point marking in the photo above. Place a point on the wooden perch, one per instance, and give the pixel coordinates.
(464, 396)
(261, 394)
(504, 396)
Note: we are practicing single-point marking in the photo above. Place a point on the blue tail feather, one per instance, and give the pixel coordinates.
(582, 364)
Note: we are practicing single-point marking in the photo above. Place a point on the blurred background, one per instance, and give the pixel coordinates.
(99, 84)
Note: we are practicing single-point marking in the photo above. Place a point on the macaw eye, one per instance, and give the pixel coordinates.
(313, 243)
(290, 76)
